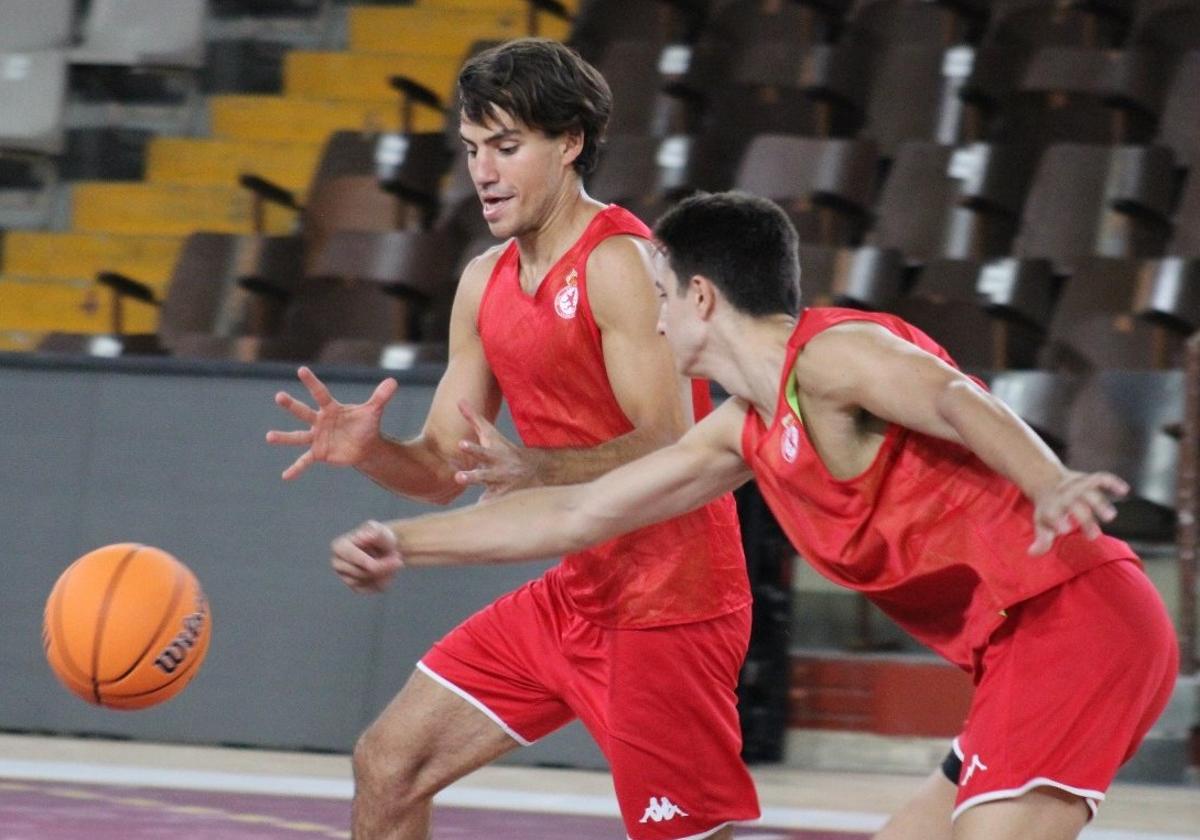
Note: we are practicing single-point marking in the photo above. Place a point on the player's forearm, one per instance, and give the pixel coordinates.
(1002, 440)
(413, 468)
(524, 525)
(576, 466)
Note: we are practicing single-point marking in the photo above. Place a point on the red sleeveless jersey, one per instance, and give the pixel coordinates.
(545, 351)
(937, 539)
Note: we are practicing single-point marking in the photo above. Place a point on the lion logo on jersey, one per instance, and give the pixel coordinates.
(566, 302)
(789, 443)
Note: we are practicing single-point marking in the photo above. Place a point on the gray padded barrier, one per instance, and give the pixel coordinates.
(172, 454)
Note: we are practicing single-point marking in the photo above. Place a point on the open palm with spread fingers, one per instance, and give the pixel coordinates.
(339, 434)
(1078, 500)
(498, 464)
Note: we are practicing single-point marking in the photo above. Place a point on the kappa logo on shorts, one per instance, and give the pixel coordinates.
(661, 809)
(975, 764)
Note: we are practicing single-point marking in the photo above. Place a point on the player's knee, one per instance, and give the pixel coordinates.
(390, 778)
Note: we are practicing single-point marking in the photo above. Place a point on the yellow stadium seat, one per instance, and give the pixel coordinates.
(450, 32)
(168, 209)
(290, 119)
(33, 305)
(219, 162)
(66, 255)
(361, 75)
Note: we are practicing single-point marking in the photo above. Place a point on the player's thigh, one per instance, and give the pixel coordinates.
(1044, 813)
(431, 734)
(927, 815)
(668, 724)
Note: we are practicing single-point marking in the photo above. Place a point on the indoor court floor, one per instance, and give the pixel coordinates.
(93, 789)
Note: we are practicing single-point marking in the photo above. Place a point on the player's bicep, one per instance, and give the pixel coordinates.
(866, 366)
(468, 376)
(638, 360)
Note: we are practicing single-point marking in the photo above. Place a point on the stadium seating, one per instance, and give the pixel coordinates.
(826, 186)
(1095, 200)
(969, 198)
(145, 33)
(1121, 421)
(30, 25)
(33, 87)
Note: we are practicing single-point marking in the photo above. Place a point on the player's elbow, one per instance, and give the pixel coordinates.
(956, 395)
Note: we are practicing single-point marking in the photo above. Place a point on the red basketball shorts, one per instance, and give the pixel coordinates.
(1069, 686)
(660, 702)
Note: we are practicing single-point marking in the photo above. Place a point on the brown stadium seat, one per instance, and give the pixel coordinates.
(1038, 23)
(1106, 319)
(1121, 422)
(939, 23)
(406, 167)
(990, 316)
(1179, 127)
(640, 75)
(969, 197)
(741, 26)
(1041, 398)
(911, 98)
(1084, 95)
(209, 291)
(811, 91)
(1091, 200)
(1168, 27)
(1185, 240)
(825, 186)
(645, 175)
(864, 277)
(598, 24)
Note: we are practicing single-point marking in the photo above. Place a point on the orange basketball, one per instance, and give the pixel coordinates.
(126, 626)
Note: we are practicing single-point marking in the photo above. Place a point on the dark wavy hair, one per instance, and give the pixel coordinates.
(545, 85)
(746, 245)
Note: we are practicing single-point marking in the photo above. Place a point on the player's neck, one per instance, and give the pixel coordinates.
(746, 356)
(564, 222)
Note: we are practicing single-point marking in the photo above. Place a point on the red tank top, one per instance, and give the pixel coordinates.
(928, 532)
(545, 351)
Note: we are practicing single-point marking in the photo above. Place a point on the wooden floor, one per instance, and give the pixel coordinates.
(796, 804)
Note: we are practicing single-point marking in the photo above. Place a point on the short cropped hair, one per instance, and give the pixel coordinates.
(545, 85)
(746, 245)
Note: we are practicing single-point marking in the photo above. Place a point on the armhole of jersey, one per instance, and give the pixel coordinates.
(585, 299)
(792, 392)
(487, 289)
(749, 423)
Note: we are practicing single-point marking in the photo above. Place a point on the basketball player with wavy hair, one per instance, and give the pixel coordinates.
(642, 637)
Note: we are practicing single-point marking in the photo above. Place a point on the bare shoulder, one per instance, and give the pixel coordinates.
(844, 343)
(835, 357)
(476, 273)
(621, 258)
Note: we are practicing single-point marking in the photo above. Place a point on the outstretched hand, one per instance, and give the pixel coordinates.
(1079, 500)
(498, 464)
(339, 434)
(367, 558)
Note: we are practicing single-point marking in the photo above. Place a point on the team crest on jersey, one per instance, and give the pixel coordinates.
(566, 302)
(789, 441)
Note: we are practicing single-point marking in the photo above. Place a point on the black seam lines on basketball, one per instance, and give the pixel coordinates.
(187, 669)
(102, 619)
(60, 631)
(176, 595)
